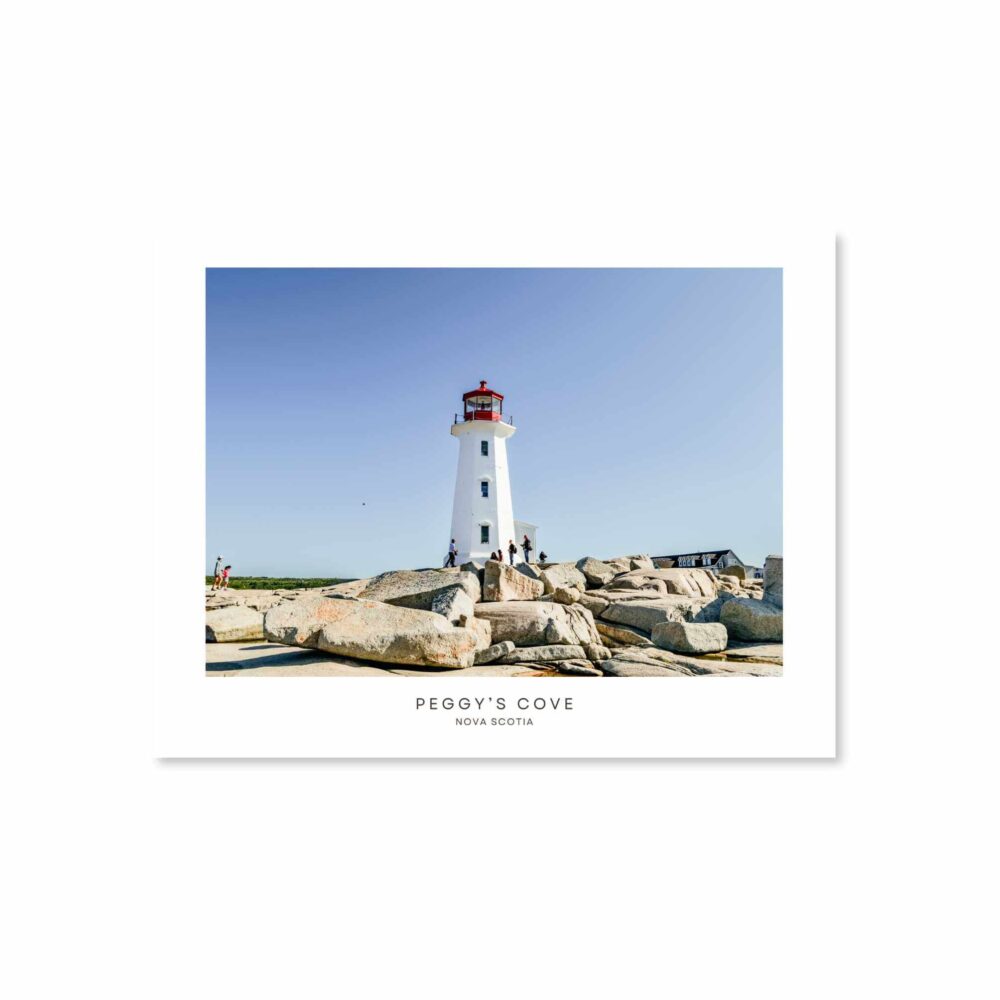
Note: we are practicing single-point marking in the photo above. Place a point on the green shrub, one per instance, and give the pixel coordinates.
(279, 582)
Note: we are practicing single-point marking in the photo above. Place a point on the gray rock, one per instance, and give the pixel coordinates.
(525, 622)
(370, 630)
(502, 582)
(749, 619)
(594, 604)
(596, 652)
(418, 588)
(640, 562)
(562, 575)
(712, 610)
(686, 582)
(737, 571)
(774, 580)
(597, 573)
(645, 614)
(493, 653)
(621, 564)
(233, 624)
(690, 637)
(544, 654)
(622, 635)
(483, 630)
(530, 569)
(566, 595)
(454, 604)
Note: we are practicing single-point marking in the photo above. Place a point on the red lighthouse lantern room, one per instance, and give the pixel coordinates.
(482, 403)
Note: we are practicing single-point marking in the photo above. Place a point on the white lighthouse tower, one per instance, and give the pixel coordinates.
(482, 518)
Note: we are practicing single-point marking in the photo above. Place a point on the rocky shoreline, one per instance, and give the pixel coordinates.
(622, 617)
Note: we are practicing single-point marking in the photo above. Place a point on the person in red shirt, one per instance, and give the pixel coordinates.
(225, 578)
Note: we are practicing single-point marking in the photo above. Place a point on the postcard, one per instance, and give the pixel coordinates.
(508, 511)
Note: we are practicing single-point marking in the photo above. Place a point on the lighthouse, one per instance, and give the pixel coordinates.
(482, 518)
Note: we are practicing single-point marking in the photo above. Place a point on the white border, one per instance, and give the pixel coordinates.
(790, 716)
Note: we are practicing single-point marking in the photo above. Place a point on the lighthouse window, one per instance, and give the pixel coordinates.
(484, 447)
(485, 487)
(484, 534)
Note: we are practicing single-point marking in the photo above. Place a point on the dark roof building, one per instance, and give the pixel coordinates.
(714, 559)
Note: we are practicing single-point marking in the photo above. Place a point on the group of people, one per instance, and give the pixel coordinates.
(221, 581)
(498, 555)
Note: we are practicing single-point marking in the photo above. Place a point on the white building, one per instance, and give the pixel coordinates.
(482, 518)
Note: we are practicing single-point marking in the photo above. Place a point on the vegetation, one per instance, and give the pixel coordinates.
(278, 582)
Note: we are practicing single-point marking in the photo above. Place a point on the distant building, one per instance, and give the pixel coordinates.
(717, 561)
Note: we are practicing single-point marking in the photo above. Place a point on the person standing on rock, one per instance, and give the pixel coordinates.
(512, 551)
(225, 577)
(526, 545)
(452, 552)
(217, 582)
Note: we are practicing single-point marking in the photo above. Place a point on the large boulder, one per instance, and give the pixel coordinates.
(562, 575)
(641, 562)
(233, 624)
(749, 619)
(597, 573)
(534, 570)
(566, 595)
(454, 604)
(417, 588)
(735, 570)
(686, 582)
(647, 613)
(370, 630)
(620, 564)
(774, 590)
(526, 623)
(690, 637)
(505, 583)
(483, 630)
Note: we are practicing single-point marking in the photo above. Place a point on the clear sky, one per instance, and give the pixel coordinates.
(647, 405)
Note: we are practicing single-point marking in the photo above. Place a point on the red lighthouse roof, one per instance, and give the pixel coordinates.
(482, 403)
(482, 391)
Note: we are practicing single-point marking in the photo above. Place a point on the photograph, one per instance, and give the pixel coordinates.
(494, 472)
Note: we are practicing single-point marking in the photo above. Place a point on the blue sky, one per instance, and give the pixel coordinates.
(647, 406)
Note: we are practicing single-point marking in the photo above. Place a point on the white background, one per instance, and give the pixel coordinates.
(873, 875)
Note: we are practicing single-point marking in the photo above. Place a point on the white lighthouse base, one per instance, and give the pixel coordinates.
(482, 524)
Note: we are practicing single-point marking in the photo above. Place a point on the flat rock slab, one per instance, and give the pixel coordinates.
(543, 654)
(764, 652)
